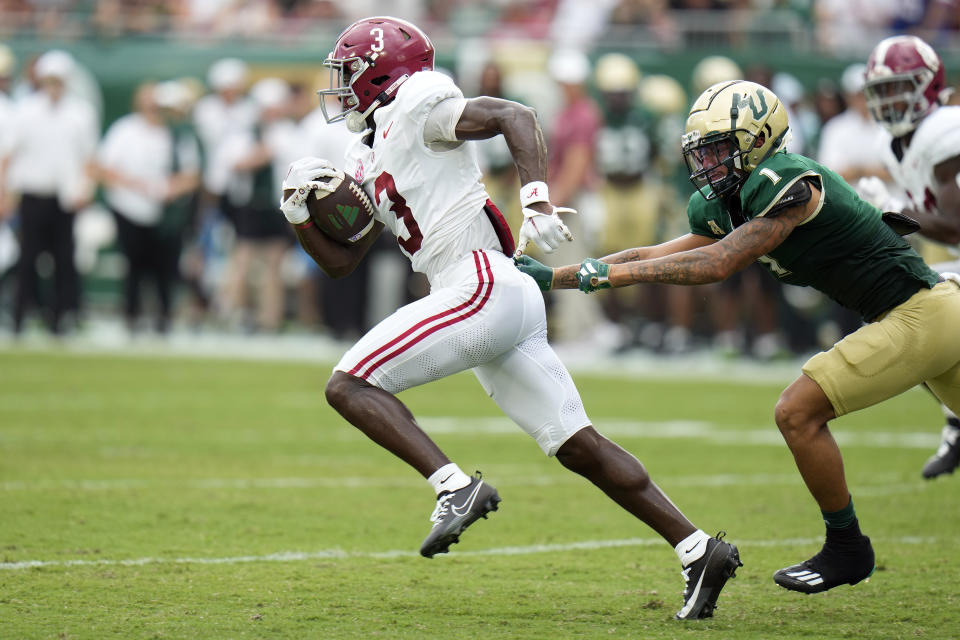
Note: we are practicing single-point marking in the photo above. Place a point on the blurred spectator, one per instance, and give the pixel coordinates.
(49, 164)
(762, 74)
(851, 143)
(849, 27)
(926, 18)
(218, 115)
(500, 173)
(143, 168)
(573, 180)
(633, 202)
(827, 102)
(804, 121)
(627, 15)
(9, 250)
(179, 222)
(711, 70)
(262, 234)
(577, 24)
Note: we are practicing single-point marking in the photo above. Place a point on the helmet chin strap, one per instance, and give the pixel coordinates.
(356, 122)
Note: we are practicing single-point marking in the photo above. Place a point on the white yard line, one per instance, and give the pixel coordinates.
(885, 483)
(339, 554)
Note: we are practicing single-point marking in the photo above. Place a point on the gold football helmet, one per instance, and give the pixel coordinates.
(732, 127)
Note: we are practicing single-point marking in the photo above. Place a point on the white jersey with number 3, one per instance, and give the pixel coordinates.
(482, 313)
(431, 200)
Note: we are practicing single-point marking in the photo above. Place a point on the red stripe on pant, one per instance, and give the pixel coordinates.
(426, 327)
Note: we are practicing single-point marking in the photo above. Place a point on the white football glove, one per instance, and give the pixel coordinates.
(302, 178)
(873, 190)
(546, 230)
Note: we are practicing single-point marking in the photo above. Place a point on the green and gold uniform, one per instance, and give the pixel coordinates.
(847, 251)
(844, 249)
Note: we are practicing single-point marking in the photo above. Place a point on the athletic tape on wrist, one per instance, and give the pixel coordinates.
(534, 192)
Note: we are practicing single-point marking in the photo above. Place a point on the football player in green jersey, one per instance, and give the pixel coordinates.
(756, 202)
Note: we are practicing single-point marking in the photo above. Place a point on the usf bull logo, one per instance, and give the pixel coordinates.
(742, 102)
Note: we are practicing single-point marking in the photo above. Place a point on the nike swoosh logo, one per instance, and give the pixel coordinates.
(466, 506)
(693, 547)
(692, 600)
(447, 478)
(387, 130)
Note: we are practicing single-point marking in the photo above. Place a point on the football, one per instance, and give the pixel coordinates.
(345, 213)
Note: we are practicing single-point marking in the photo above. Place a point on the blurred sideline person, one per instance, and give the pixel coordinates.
(758, 202)
(49, 164)
(499, 172)
(137, 167)
(906, 93)
(574, 180)
(851, 143)
(225, 111)
(180, 219)
(633, 202)
(254, 277)
(481, 313)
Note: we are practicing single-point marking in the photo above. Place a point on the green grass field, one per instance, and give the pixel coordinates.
(146, 497)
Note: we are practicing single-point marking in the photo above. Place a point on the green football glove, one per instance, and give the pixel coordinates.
(536, 270)
(593, 275)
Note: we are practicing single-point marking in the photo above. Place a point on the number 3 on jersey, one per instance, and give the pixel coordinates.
(398, 204)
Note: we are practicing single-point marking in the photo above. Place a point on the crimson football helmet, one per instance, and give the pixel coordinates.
(904, 82)
(369, 62)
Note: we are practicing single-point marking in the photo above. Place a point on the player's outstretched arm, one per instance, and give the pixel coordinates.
(566, 277)
(717, 261)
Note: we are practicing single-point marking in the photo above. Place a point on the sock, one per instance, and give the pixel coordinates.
(692, 547)
(447, 478)
(842, 525)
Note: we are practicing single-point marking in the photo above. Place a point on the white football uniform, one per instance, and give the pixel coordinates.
(936, 138)
(482, 313)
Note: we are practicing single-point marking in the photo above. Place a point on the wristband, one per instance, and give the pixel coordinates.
(304, 225)
(534, 192)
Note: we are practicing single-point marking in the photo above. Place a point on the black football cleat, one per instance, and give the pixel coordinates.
(947, 457)
(835, 565)
(705, 578)
(457, 510)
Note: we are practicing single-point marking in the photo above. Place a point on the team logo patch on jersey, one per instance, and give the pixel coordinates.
(715, 228)
(358, 174)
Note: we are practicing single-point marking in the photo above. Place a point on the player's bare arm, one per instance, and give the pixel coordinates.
(337, 260)
(718, 261)
(486, 117)
(566, 277)
(945, 227)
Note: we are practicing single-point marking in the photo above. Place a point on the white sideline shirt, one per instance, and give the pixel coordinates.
(138, 149)
(51, 143)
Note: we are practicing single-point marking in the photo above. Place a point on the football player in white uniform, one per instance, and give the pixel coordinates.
(906, 93)
(482, 313)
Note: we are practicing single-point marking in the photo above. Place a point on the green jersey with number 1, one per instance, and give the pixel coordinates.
(844, 248)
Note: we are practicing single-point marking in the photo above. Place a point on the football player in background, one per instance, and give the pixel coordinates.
(809, 228)
(481, 314)
(906, 93)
